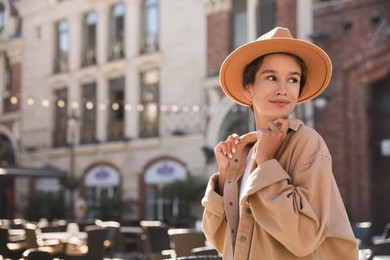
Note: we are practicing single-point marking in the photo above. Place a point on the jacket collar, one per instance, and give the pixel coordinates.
(251, 137)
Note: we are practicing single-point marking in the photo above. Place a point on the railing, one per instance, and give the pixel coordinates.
(61, 63)
(116, 51)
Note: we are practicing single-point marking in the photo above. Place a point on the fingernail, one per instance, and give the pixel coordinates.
(230, 156)
(234, 150)
(236, 142)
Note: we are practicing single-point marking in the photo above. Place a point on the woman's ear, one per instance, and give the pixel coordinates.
(248, 93)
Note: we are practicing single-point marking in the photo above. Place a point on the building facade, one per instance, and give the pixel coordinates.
(124, 95)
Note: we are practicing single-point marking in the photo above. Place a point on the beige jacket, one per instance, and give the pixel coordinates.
(292, 208)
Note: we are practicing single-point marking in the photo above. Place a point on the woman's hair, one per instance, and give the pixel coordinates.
(249, 74)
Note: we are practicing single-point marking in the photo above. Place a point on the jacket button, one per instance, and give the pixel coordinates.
(248, 211)
(235, 160)
(243, 238)
(231, 203)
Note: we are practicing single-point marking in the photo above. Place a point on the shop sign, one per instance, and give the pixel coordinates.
(165, 171)
(102, 176)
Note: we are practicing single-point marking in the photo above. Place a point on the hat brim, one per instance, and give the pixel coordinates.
(317, 62)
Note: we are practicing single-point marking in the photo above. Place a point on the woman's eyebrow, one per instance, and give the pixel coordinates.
(273, 71)
(268, 71)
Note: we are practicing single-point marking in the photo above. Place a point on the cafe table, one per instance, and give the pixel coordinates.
(65, 237)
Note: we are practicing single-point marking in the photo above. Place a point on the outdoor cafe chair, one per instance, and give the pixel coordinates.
(36, 254)
(197, 257)
(93, 250)
(156, 239)
(362, 231)
(379, 248)
(53, 246)
(13, 250)
(115, 242)
(184, 241)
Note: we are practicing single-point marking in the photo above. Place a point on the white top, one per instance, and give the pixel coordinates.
(248, 166)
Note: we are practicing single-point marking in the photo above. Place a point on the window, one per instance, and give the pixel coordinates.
(88, 122)
(238, 121)
(150, 26)
(10, 101)
(117, 32)
(89, 39)
(60, 118)
(265, 16)
(239, 26)
(263, 22)
(62, 47)
(149, 109)
(116, 112)
(2, 16)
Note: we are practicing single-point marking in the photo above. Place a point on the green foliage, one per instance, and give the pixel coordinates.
(189, 192)
(72, 182)
(190, 189)
(47, 205)
(108, 208)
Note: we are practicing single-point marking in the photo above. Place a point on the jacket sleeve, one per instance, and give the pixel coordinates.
(214, 218)
(294, 207)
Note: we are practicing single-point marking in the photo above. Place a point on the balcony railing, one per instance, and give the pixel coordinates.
(116, 51)
(150, 43)
(87, 135)
(89, 57)
(61, 63)
(115, 131)
(59, 138)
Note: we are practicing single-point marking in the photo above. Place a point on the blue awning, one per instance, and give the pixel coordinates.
(18, 171)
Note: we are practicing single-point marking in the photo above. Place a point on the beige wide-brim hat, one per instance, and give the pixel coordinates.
(319, 66)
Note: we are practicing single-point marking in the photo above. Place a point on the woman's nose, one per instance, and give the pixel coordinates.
(281, 89)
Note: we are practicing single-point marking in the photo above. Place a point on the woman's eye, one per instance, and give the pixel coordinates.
(293, 80)
(273, 78)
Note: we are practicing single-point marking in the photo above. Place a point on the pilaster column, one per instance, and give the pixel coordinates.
(103, 12)
(252, 19)
(102, 106)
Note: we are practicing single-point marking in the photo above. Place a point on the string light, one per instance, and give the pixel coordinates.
(185, 109)
(115, 106)
(175, 108)
(163, 108)
(14, 100)
(30, 101)
(140, 108)
(61, 103)
(45, 103)
(102, 106)
(90, 105)
(128, 107)
(195, 108)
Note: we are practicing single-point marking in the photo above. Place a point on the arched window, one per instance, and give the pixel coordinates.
(89, 48)
(238, 121)
(117, 31)
(150, 26)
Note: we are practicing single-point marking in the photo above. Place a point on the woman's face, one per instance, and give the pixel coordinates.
(275, 91)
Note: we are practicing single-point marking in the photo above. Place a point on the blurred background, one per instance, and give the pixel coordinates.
(110, 109)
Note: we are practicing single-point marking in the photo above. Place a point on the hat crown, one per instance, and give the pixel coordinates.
(278, 32)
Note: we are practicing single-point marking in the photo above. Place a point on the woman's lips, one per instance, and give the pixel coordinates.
(280, 102)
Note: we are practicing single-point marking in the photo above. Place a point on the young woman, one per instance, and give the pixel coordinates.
(274, 195)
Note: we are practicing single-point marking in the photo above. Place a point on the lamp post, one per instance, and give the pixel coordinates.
(72, 181)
